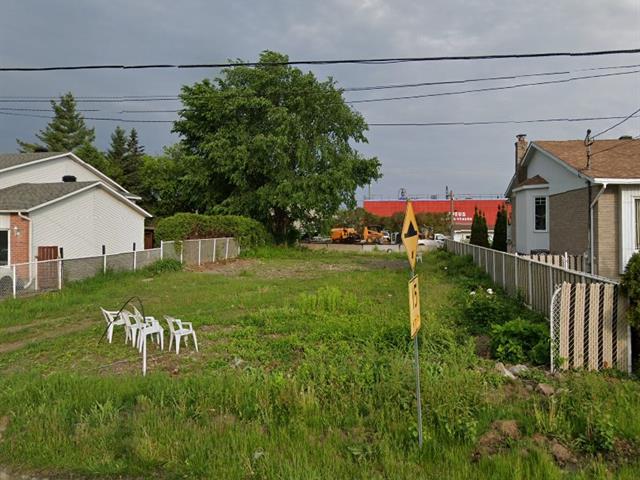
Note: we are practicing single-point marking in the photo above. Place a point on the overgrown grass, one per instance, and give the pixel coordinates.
(305, 371)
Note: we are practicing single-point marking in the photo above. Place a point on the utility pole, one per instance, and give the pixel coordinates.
(451, 212)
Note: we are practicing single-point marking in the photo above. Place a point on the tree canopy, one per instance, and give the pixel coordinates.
(273, 143)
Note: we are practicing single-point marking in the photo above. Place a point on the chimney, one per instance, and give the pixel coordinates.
(521, 147)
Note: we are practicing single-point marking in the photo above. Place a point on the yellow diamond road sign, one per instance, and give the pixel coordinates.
(414, 305)
(410, 235)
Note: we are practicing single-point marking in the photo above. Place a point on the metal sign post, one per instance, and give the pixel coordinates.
(410, 241)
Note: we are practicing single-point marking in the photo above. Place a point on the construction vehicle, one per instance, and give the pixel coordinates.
(344, 235)
(373, 234)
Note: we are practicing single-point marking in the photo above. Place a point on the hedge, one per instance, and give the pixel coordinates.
(181, 226)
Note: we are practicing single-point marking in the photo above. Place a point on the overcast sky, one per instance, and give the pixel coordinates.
(469, 159)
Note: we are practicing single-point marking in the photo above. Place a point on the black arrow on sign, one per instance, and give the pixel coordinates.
(411, 231)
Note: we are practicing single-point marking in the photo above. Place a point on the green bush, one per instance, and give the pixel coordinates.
(519, 340)
(631, 287)
(163, 266)
(181, 226)
(482, 308)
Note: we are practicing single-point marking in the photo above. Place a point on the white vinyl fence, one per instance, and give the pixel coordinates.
(31, 278)
(587, 313)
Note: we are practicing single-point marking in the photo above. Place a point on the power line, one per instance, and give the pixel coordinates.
(346, 89)
(617, 145)
(355, 61)
(493, 122)
(374, 124)
(490, 89)
(160, 98)
(616, 124)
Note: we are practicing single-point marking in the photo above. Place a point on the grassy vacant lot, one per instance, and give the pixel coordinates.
(305, 371)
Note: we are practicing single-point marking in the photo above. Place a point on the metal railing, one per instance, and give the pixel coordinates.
(31, 278)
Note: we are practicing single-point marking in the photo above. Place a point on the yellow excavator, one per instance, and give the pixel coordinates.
(344, 235)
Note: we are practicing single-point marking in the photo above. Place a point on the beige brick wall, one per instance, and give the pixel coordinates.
(606, 219)
(568, 222)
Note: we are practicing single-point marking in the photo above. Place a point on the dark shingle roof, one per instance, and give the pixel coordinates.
(12, 159)
(25, 196)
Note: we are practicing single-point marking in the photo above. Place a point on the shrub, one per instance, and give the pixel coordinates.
(631, 287)
(519, 341)
(181, 226)
(482, 308)
(163, 266)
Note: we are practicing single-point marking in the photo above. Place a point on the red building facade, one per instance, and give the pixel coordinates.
(463, 209)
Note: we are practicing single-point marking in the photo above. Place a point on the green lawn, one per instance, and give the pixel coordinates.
(304, 371)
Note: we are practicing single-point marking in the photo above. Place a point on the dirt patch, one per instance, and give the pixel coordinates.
(497, 438)
(225, 267)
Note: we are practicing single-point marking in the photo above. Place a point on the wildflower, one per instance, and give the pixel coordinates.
(489, 291)
(472, 293)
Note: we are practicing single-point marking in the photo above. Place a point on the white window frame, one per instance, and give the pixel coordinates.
(8, 246)
(636, 244)
(546, 213)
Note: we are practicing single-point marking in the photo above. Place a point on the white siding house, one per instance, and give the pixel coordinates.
(82, 223)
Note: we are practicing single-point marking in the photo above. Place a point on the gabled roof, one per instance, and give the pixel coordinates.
(8, 160)
(11, 161)
(537, 180)
(26, 197)
(610, 159)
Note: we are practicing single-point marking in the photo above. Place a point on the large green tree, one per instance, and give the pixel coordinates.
(274, 143)
(117, 153)
(66, 132)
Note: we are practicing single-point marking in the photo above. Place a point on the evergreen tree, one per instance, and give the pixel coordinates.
(475, 224)
(132, 161)
(66, 132)
(500, 230)
(484, 231)
(116, 154)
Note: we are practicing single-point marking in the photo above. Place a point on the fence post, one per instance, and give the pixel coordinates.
(515, 267)
(104, 259)
(226, 249)
(135, 259)
(550, 286)
(215, 240)
(494, 266)
(60, 273)
(566, 261)
(13, 286)
(182, 251)
(504, 277)
(530, 283)
(199, 250)
(161, 249)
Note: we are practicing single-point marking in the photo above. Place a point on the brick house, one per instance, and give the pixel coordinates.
(564, 200)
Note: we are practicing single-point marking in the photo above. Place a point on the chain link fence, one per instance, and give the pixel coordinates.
(26, 279)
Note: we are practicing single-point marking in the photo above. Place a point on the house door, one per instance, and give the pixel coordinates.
(47, 268)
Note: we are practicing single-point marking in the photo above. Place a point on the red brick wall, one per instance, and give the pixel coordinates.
(19, 243)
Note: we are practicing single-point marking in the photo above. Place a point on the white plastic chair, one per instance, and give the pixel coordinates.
(131, 328)
(148, 326)
(112, 319)
(184, 330)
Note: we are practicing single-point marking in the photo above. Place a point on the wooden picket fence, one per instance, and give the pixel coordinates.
(594, 303)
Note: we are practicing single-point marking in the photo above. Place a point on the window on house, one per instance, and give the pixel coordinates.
(637, 213)
(4, 247)
(540, 211)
